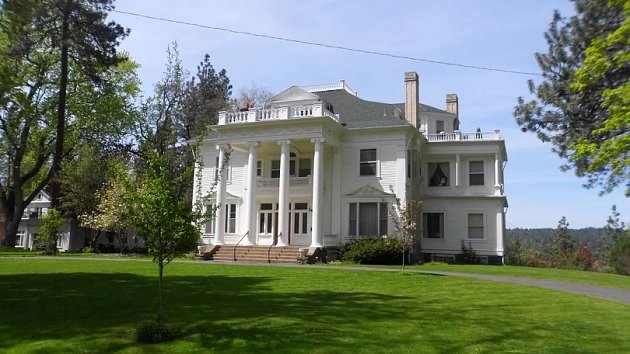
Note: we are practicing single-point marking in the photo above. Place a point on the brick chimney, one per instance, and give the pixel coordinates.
(452, 106)
(411, 98)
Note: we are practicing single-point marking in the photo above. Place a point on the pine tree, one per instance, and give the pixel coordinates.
(571, 117)
(563, 244)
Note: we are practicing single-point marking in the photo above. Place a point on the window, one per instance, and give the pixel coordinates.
(475, 226)
(439, 173)
(265, 218)
(230, 218)
(305, 168)
(475, 173)
(433, 225)
(259, 168)
(20, 238)
(300, 218)
(367, 164)
(275, 169)
(60, 240)
(439, 126)
(367, 219)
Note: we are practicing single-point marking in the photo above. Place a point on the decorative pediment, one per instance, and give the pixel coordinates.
(368, 191)
(228, 197)
(42, 197)
(294, 93)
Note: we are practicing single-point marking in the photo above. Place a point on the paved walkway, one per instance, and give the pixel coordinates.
(618, 295)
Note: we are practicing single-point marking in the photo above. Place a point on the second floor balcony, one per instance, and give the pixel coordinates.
(276, 113)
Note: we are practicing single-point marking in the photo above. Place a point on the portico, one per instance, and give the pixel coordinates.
(282, 199)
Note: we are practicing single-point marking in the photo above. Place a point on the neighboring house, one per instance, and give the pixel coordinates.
(318, 167)
(70, 238)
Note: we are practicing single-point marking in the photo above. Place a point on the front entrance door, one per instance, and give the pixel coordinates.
(298, 223)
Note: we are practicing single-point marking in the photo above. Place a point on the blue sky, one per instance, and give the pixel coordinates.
(494, 33)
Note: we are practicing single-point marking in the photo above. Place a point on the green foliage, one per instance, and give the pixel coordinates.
(62, 86)
(605, 57)
(563, 245)
(161, 219)
(581, 104)
(373, 251)
(49, 231)
(88, 250)
(618, 236)
(164, 222)
(468, 254)
(111, 212)
(151, 332)
(620, 255)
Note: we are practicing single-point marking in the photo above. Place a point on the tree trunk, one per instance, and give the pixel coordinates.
(13, 218)
(10, 231)
(160, 316)
(61, 106)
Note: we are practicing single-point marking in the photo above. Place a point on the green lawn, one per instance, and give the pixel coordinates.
(572, 276)
(606, 280)
(88, 305)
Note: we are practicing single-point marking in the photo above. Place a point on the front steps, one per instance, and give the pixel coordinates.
(264, 254)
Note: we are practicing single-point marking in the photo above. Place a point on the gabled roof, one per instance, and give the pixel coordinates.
(294, 93)
(367, 191)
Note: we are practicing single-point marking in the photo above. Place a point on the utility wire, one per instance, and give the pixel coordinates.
(326, 45)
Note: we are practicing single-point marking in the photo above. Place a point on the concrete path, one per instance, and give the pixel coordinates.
(618, 295)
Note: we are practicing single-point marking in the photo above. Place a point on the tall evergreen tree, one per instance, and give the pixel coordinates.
(563, 243)
(569, 117)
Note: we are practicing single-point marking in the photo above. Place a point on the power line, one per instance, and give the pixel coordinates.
(326, 45)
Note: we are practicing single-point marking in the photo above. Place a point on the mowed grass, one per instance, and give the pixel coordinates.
(565, 275)
(92, 306)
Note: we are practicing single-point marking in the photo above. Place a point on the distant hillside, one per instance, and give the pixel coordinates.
(593, 237)
(592, 234)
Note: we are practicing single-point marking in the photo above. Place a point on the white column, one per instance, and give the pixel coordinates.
(500, 228)
(250, 206)
(335, 209)
(219, 213)
(283, 194)
(457, 166)
(318, 192)
(497, 168)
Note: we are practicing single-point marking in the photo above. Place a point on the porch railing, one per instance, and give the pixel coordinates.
(238, 243)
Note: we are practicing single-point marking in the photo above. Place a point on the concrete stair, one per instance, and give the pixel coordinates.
(263, 254)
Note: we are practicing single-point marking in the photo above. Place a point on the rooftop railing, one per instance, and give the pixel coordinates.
(459, 136)
(277, 113)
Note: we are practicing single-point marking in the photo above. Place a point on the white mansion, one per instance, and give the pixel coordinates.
(318, 167)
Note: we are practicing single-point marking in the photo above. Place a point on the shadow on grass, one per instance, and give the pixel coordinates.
(97, 312)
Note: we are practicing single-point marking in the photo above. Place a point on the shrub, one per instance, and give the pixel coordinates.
(88, 250)
(373, 251)
(469, 256)
(49, 231)
(149, 332)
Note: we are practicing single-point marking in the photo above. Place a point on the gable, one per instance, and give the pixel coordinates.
(294, 93)
(367, 191)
